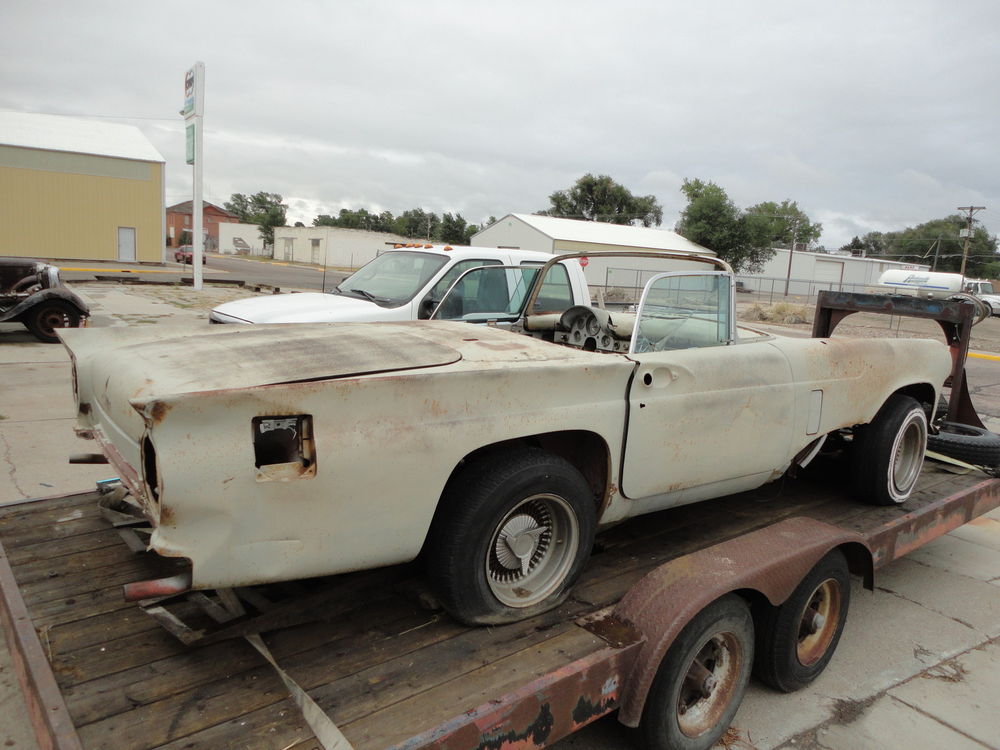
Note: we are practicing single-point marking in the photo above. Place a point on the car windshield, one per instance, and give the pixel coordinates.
(393, 278)
(682, 311)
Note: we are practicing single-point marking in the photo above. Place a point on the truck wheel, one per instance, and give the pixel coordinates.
(510, 537)
(44, 318)
(973, 445)
(702, 678)
(888, 453)
(797, 640)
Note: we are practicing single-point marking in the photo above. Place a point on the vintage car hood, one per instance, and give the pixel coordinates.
(307, 307)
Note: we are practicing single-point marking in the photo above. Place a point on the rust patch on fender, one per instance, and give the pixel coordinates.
(157, 411)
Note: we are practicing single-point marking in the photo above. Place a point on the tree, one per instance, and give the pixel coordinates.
(938, 243)
(783, 220)
(713, 220)
(416, 223)
(263, 209)
(872, 243)
(600, 198)
(454, 230)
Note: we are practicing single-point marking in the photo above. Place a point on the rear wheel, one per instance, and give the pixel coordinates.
(45, 317)
(700, 683)
(888, 453)
(797, 639)
(510, 537)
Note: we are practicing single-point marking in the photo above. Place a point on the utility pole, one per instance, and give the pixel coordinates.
(970, 211)
(791, 252)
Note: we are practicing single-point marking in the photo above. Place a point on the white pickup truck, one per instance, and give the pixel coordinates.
(407, 283)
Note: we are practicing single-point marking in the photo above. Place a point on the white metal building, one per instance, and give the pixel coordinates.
(333, 247)
(549, 234)
(240, 239)
(812, 272)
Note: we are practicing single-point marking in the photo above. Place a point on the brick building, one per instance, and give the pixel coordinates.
(180, 220)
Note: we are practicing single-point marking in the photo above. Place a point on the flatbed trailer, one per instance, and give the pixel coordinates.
(98, 672)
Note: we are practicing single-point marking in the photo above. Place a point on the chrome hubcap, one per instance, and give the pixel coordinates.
(532, 550)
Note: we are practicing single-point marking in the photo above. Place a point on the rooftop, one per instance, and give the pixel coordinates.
(59, 133)
(604, 233)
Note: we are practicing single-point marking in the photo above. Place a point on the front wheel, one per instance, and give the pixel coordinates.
(510, 537)
(888, 453)
(45, 317)
(700, 683)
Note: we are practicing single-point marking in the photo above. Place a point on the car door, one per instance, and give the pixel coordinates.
(703, 408)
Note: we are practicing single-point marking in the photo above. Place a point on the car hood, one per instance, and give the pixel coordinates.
(307, 307)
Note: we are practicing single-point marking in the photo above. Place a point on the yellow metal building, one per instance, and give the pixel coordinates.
(72, 188)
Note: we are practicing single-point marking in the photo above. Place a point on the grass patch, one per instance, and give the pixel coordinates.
(782, 312)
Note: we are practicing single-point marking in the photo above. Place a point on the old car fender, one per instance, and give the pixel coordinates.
(45, 294)
(770, 561)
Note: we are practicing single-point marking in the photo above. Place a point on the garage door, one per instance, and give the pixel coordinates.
(828, 274)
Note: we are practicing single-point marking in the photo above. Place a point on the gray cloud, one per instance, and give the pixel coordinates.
(871, 116)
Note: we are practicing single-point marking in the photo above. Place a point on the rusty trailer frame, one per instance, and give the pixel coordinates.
(96, 672)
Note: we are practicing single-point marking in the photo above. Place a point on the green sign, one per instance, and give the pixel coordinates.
(189, 134)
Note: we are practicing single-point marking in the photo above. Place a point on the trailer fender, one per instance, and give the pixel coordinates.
(770, 561)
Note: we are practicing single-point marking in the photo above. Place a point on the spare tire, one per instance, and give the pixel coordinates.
(973, 445)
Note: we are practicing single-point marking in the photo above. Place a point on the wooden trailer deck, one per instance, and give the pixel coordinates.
(101, 673)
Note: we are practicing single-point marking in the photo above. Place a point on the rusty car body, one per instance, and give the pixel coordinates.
(494, 452)
(31, 293)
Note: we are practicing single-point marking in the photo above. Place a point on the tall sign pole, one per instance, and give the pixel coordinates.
(194, 110)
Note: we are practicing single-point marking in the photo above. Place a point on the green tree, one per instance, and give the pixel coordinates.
(416, 223)
(872, 243)
(938, 243)
(783, 220)
(600, 198)
(713, 220)
(263, 209)
(453, 230)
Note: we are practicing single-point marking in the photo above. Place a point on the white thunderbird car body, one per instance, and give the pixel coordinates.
(265, 453)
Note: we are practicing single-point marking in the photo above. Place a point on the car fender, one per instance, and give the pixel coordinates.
(25, 305)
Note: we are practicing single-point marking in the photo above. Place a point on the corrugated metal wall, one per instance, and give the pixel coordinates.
(62, 205)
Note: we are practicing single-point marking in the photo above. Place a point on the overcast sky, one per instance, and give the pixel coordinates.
(872, 115)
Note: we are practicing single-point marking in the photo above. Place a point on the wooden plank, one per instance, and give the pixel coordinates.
(46, 708)
(421, 710)
(145, 683)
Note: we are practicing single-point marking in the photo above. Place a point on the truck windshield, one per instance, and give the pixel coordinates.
(393, 278)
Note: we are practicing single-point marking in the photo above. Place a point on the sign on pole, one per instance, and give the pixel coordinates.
(193, 111)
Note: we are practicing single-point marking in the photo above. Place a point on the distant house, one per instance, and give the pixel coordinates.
(180, 220)
(549, 234)
(334, 247)
(74, 188)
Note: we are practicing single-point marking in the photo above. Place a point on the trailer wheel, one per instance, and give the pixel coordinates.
(44, 318)
(700, 683)
(797, 640)
(888, 453)
(973, 445)
(510, 537)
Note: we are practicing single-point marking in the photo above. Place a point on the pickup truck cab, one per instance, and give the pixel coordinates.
(408, 283)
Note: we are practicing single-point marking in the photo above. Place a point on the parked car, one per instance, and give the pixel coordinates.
(495, 451)
(403, 283)
(31, 293)
(185, 254)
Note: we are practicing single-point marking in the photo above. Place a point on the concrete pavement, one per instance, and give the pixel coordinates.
(917, 666)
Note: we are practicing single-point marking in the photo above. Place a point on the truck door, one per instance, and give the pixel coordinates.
(703, 409)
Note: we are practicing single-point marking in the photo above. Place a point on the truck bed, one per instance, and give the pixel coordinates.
(99, 672)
